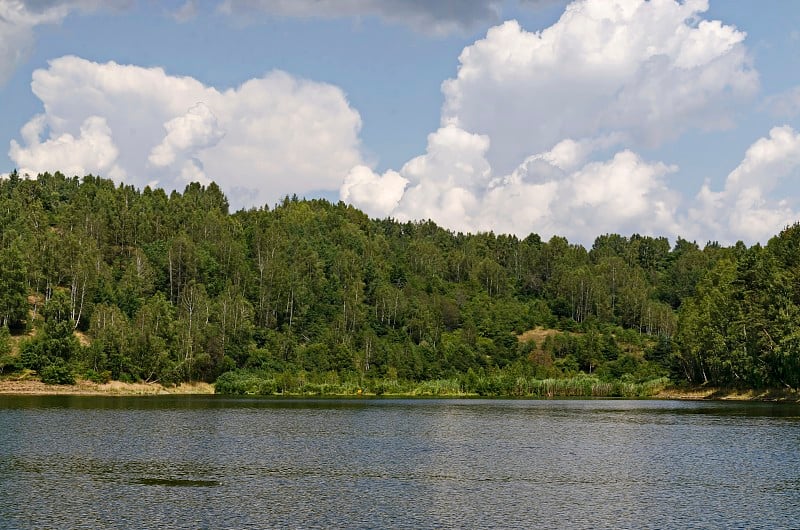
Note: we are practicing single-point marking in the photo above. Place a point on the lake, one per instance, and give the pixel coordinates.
(216, 462)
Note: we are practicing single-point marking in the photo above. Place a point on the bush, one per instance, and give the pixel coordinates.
(31, 356)
(57, 374)
(97, 377)
(10, 363)
(5, 341)
(244, 383)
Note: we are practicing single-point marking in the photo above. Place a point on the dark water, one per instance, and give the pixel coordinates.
(210, 462)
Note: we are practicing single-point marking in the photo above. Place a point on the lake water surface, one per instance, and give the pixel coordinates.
(214, 462)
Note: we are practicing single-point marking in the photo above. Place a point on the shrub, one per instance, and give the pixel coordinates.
(5, 341)
(10, 363)
(244, 383)
(57, 374)
(97, 377)
(31, 356)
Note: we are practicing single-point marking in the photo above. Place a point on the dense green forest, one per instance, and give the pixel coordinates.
(103, 281)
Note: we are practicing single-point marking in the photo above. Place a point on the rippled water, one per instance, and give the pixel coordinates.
(212, 462)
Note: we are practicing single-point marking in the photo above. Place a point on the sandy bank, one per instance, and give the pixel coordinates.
(726, 394)
(113, 388)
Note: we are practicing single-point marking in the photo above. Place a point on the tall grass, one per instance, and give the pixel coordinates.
(495, 385)
(438, 387)
(577, 386)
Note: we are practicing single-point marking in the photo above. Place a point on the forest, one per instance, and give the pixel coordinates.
(101, 281)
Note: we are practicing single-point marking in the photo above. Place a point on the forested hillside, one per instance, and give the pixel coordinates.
(103, 281)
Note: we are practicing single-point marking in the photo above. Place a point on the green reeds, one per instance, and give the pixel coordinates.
(493, 385)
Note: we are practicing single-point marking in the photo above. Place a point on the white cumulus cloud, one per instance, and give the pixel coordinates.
(446, 181)
(540, 130)
(649, 69)
(271, 136)
(376, 194)
(750, 207)
(557, 192)
(195, 130)
(91, 151)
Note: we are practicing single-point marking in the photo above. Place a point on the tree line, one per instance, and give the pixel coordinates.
(102, 281)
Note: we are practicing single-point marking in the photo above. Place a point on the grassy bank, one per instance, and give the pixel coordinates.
(262, 384)
(270, 384)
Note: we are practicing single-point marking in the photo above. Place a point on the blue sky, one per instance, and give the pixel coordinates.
(575, 119)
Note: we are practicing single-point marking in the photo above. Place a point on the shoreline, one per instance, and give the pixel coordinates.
(772, 395)
(33, 387)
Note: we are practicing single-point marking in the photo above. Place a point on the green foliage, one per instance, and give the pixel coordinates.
(174, 287)
(13, 291)
(30, 356)
(740, 326)
(8, 362)
(56, 344)
(57, 374)
(500, 383)
(95, 377)
(244, 383)
(5, 341)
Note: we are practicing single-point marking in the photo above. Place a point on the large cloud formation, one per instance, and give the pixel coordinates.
(540, 130)
(271, 136)
(557, 192)
(651, 69)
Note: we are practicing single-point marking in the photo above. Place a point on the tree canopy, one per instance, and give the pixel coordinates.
(174, 287)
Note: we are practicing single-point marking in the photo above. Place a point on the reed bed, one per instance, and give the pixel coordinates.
(495, 385)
